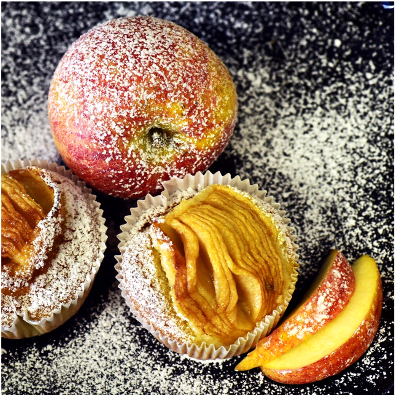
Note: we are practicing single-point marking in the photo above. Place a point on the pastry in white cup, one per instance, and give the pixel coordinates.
(53, 242)
(209, 266)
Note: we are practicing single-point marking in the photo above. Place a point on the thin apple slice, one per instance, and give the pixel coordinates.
(245, 282)
(224, 283)
(324, 300)
(340, 343)
(32, 180)
(258, 234)
(202, 293)
(247, 273)
(20, 214)
(222, 273)
(174, 266)
(24, 210)
(260, 231)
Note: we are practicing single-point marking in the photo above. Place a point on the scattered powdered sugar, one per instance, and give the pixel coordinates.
(143, 366)
(315, 128)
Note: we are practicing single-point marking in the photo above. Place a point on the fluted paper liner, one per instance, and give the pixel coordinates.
(23, 326)
(198, 182)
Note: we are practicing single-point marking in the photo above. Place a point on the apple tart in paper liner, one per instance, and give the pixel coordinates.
(53, 243)
(209, 266)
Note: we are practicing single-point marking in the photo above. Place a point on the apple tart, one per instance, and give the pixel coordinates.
(208, 269)
(52, 244)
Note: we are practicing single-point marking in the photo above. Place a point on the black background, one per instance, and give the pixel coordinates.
(289, 41)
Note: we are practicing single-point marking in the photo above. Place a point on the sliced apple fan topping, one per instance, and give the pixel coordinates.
(31, 219)
(224, 259)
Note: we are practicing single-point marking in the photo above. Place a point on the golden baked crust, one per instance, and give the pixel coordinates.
(224, 260)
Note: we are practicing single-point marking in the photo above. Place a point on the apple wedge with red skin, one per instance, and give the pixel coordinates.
(343, 341)
(327, 296)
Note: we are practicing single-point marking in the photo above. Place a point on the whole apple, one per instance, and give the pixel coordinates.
(136, 101)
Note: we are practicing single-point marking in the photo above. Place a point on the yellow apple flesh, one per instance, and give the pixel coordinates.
(326, 297)
(342, 341)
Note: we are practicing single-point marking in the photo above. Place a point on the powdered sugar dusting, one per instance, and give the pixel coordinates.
(50, 226)
(144, 283)
(315, 129)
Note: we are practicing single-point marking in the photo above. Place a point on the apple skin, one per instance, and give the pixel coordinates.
(323, 302)
(345, 355)
(136, 101)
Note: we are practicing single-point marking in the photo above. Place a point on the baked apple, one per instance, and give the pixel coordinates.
(326, 298)
(340, 343)
(135, 101)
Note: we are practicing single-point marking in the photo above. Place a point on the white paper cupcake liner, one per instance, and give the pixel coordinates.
(198, 182)
(23, 326)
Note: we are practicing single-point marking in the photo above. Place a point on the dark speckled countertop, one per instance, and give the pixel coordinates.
(315, 129)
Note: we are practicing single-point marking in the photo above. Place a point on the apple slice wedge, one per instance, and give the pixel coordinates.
(324, 300)
(342, 341)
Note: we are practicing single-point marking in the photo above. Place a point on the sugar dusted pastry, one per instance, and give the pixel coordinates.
(52, 243)
(203, 267)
